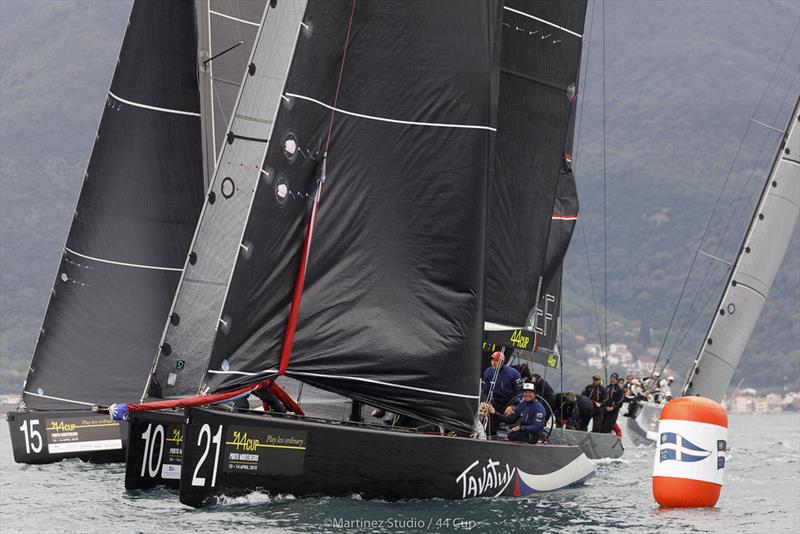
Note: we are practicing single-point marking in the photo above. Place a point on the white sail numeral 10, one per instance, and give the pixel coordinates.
(149, 448)
(217, 440)
(31, 435)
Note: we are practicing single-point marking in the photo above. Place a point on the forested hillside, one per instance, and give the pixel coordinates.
(682, 82)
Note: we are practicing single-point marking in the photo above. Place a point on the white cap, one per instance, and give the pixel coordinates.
(656, 373)
(527, 386)
(671, 378)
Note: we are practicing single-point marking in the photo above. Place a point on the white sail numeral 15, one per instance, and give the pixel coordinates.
(30, 435)
(217, 440)
(149, 448)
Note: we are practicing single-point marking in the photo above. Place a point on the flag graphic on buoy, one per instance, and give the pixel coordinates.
(689, 465)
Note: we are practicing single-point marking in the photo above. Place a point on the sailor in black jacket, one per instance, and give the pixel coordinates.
(597, 394)
(614, 399)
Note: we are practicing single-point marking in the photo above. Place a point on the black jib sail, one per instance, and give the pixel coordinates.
(133, 223)
(391, 312)
(532, 202)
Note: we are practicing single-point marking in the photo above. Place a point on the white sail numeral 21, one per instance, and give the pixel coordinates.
(30, 435)
(149, 447)
(217, 440)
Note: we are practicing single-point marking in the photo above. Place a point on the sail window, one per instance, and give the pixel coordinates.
(228, 188)
(290, 147)
(281, 190)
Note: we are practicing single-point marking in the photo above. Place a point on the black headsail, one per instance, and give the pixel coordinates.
(392, 308)
(133, 223)
(532, 202)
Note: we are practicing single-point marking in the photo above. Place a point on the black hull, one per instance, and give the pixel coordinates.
(232, 454)
(51, 436)
(593, 444)
(154, 450)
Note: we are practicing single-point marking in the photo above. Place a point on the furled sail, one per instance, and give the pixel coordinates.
(754, 271)
(134, 221)
(218, 245)
(391, 313)
(226, 33)
(532, 202)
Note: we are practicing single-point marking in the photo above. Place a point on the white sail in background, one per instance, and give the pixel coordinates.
(753, 273)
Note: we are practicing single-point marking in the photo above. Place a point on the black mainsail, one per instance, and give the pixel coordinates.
(533, 201)
(133, 223)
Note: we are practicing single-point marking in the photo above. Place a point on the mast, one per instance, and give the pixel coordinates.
(757, 262)
(196, 314)
(134, 220)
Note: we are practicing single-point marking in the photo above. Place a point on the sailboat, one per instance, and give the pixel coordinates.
(152, 159)
(747, 287)
(393, 141)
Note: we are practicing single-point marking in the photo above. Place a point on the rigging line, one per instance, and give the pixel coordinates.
(605, 198)
(575, 160)
(236, 19)
(543, 21)
(341, 72)
(719, 197)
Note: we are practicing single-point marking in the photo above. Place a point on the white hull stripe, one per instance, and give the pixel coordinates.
(337, 377)
(58, 398)
(396, 121)
(543, 21)
(223, 15)
(154, 108)
(123, 264)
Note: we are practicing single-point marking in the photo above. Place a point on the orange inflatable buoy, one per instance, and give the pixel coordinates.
(690, 460)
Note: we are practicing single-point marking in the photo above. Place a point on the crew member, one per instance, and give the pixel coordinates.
(572, 411)
(612, 404)
(597, 394)
(528, 417)
(503, 383)
(665, 389)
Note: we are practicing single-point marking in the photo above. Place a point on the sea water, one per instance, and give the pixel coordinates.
(761, 494)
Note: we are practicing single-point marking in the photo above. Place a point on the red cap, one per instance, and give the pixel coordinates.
(498, 356)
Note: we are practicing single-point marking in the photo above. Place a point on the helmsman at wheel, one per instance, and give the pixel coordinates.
(528, 417)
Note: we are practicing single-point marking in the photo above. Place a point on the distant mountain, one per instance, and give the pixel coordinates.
(682, 82)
